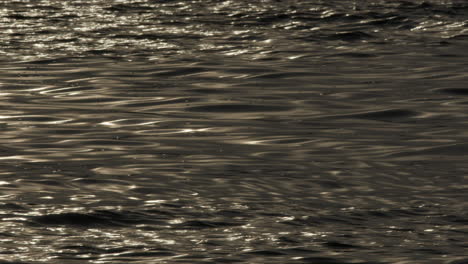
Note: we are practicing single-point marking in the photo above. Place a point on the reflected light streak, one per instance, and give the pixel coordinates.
(20, 157)
(115, 123)
(187, 130)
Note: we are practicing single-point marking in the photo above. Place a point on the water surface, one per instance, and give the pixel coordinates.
(233, 131)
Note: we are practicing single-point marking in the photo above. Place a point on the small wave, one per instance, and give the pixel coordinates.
(14, 262)
(238, 108)
(350, 36)
(267, 253)
(459, 261)
(83, 249)
(202, 224)
(390, 115)
(129, 8)
(147, 253)
(339, 245)
(13, 207)
(100, 218)
(322, 260)
(354, 55)
(75, 219)
(454, 91)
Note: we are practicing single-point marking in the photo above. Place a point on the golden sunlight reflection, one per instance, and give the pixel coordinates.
(23, 158)
(190, 130)
(315, 234)
(153, 202)
(124, 170)
(126, 122)
(84, 198)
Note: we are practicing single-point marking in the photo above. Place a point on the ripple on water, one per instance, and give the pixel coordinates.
(101, 218)
(386, 115)
(238, 108)
(454, 91)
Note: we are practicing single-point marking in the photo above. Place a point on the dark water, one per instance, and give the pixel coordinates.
(233, 131)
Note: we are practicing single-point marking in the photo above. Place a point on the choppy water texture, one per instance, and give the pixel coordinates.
(233, 131)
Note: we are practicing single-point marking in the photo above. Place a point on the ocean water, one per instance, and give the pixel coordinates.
(211, 131)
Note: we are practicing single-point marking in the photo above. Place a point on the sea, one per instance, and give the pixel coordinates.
(233, 131)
